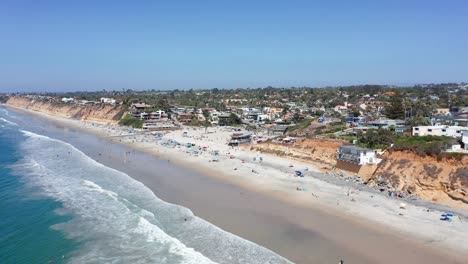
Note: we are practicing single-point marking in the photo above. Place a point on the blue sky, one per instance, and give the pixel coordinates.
(95, 45)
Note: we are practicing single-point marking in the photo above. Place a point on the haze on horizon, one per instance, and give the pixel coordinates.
(115, 45)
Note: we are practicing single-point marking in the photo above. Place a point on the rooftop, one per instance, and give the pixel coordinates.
(354, 147)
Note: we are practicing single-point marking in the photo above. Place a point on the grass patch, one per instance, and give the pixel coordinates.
(131, 121)
(424, 145)
(302, 125)
(349, 138)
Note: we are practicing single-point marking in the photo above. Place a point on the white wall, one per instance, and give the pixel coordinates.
(368, 158)
(449, 131)
(465, 139)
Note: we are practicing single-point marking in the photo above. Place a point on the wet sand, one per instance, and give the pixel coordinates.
(303, 235)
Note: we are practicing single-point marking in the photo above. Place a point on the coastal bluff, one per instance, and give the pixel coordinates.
(102, 113)
(443, 181)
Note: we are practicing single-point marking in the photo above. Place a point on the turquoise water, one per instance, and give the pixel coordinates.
(58, 204)
(25, 218)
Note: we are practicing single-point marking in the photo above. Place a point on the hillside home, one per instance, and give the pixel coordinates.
(448, 131)
(342, 109)
(442, 111)
(386, 123)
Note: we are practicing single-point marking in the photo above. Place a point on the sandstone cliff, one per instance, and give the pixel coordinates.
(444, 181)
(97, 113)
(322, 152)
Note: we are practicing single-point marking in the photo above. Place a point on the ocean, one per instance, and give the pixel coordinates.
(57, 204)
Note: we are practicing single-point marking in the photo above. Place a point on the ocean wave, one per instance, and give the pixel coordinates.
(118, 219)
(5, 111)
(8, 121)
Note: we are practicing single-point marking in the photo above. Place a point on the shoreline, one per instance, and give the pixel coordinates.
(285, 194)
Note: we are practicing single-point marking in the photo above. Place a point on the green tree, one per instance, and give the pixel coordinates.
(296, 117)
(417, 121)
(355, 112)
(376, 138)
(395, 110)
(206, 114)
(232, 120)
(285, 110)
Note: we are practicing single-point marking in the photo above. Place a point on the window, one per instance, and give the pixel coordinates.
(416, 128)
(444, 130)
(458, 131)
(429, 130)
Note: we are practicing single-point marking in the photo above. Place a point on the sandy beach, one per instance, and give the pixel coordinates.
(314, 219)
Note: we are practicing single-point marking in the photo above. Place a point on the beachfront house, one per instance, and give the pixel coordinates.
(240, 138)
(184, 117)
(357, 155)
(137, 108)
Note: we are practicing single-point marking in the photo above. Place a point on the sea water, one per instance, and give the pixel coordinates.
(57, 204)
(25, 219)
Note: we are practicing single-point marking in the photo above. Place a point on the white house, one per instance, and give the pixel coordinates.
(465, 139)
(263, 117)
(154, 116)
(68, 100)
(355, 154)
(448, 131)
(342, 109)
(105, 100)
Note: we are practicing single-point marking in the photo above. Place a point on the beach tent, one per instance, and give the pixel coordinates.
(446, 217)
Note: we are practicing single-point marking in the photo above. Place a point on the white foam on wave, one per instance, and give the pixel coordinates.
(5, 111)
(92, 186)
(8, 121)
(119, 219)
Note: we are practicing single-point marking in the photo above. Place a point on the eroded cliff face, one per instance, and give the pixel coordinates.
(321, 152)
(443, 182)
(97, 113)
